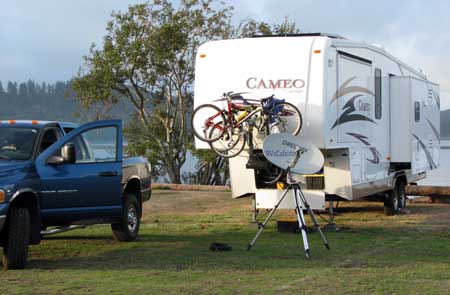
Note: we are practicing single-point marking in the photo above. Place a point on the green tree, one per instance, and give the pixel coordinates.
(43, 89)
(31, 88)
(23, 89)
(210, 169)
(251, 27)
(148, 57)
(12, 88)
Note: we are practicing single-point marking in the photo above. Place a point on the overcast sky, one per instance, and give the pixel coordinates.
(45, 40)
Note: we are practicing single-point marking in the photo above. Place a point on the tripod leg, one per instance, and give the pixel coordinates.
(263, 225)
(313, 218)
(301, 221)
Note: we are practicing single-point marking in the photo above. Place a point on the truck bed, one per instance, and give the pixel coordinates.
(137, 166)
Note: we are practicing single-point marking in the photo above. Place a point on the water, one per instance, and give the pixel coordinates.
(441, 176)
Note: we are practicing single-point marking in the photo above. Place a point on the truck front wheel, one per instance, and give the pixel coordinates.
(128, 228)
(15, 251)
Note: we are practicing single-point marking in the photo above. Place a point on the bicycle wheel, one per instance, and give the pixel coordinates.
(230, 144)
(284, 118)
(205, 119)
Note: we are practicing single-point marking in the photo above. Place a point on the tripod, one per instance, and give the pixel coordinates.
(300, 202)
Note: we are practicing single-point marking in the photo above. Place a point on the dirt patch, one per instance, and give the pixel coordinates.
(167, 202)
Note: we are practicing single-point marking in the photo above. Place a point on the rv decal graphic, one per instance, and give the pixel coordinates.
(343, 90)
(436, 97)
(347, 115)
(427, 153)
(436, 133)
(260, 83)
(361, 137)
(375, 153)
(433, 93)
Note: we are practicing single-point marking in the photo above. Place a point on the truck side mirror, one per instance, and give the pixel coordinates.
(55, 160)
(68, 153)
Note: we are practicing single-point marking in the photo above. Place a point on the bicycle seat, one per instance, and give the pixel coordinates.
(231, 94)
(235, 97)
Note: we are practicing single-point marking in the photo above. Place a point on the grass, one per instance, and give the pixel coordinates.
(372, 254)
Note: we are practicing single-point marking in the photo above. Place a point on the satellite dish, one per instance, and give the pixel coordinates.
(280, 149)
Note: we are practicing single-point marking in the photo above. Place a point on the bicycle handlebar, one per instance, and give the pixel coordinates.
(267, 98)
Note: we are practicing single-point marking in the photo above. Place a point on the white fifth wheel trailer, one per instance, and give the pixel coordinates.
(375, 119)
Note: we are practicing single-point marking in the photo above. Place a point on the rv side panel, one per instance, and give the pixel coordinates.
(415, 128)
(400, 120)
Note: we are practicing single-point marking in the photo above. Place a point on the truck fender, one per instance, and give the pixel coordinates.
(28, 198)
(133, 180)
(133, 185)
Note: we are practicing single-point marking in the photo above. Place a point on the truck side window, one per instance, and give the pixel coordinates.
(96, 145)
(68, 129)
(50, 137)
(378, 89)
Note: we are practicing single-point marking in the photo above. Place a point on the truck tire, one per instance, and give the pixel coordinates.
(15, 251)
(128, 228)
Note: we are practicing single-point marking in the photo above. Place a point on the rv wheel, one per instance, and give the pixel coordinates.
(395, 199)
(391, 203)
(401, 195)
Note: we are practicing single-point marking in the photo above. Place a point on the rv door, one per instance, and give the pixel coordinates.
(355, 101)
(355, 113)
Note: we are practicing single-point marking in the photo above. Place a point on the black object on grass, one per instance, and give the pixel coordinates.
(219, 247)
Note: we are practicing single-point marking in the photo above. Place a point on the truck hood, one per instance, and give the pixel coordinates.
(9, 166)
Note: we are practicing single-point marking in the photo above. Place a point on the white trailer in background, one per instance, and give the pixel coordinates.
(375, 119)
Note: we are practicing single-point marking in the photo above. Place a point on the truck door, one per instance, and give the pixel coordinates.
(90, 184)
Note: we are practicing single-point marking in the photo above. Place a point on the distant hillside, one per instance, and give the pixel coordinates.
(51, 102)
(445, 124)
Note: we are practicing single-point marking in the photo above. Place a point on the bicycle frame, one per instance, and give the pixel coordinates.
(230, 109)
(229, 114)
(209, 122)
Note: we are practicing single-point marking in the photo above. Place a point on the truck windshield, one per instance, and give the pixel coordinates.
(17, 143)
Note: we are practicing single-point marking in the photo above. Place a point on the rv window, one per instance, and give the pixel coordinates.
(417, 111)
(378, 105)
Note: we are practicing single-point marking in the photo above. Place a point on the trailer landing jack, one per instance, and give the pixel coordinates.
(330, 226)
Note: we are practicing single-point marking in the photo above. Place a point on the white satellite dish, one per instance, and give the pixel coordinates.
(280, 149)
(295, 155)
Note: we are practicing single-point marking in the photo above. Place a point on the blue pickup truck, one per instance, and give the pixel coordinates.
(56, 174)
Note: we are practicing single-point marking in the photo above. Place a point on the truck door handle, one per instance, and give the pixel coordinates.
(108, 173)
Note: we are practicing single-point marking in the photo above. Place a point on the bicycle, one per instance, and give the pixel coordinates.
(227, 130)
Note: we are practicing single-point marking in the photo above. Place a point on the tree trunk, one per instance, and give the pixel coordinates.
(213, 173)
(173, 171)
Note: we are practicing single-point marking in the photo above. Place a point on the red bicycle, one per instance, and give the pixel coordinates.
(226, 129)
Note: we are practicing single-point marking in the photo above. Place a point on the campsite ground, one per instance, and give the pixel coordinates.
(372, 254)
